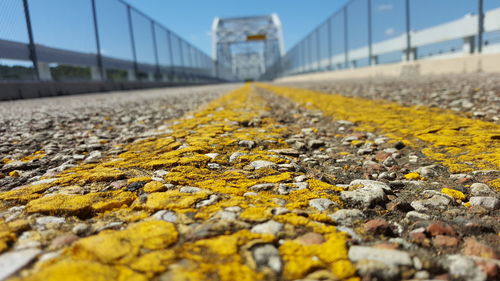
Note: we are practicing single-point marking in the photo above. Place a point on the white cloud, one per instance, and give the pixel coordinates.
(390, 31)
(385, 7)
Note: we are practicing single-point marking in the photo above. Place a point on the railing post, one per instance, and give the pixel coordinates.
(346, 38)
(318, 47)
(279, 66)
(408, 52)
(181, 56)
(97, 42)
(308, 53)
(170, 55)
(370, 43)
(155, 49)
(330, 47)
(298, 59)
(480, 25)
(132, 41)
(31, 46)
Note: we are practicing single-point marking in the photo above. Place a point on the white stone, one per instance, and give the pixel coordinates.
(93, 157)
(267, 255)
(213, 166)
(235, 156)
(246, 143)
(43, 181)
(189, 189)
(370, 183)
(480, 189)
(300, 185)
(234, 209)
(212, 155)
(387, 256)
(260, 164)
(377, 270)
(81, 228)
(354, 236)
(225, 215)
(211, 200)
(269, 227)
(460, 176)
(280, 211)
(262, 186)
(78, 156)
(300, 178)
(416, 215)
(165, 215)
(465, 268)
(11, 262)
(427, 171)
(160, 173)
(50, 220)
(286, 188)
(322, 204)
(491, 203)
(370, 194)
(436, 201)
(347, 216)
(250, 194)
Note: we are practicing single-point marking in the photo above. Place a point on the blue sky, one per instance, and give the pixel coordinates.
(193, 18)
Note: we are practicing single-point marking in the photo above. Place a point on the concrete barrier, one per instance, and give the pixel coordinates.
(488, 63)
(26, 90)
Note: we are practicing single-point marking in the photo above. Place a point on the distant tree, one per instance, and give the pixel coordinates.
(70, 73)
(16, 72)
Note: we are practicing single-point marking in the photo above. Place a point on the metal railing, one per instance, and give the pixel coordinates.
(371, 32)
(93, 40)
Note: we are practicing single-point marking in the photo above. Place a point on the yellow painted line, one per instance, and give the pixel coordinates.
(459, 143)
(148, 247)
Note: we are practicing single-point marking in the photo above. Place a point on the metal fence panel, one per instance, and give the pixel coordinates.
(491, 22)
(176, 50)
(307, 54)
(12, 21)
(324, 50)
(114, 35)
(92, 39)
(366, 32)
(312, 47)
(14, 58)
(163, 47)
(357, 26)
(64, 37)
(337, 40)
(427, 14)
(388, 30)
(185, 54)
(63, 24)
(144, 42)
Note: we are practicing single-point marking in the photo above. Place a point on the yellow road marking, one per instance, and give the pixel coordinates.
(459, 143)
(148, 247)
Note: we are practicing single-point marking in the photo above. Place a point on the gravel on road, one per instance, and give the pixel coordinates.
(264, 183)
(473, 95)
(48, 135)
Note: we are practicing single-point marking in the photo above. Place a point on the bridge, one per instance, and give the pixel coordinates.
(367, 150)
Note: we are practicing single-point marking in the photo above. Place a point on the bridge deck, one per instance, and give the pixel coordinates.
(266, 182)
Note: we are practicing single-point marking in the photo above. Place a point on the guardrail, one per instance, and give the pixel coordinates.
(330, 46)
(144, 51)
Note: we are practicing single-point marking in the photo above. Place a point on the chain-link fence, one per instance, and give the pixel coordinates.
(93, 40)
(371, 32)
